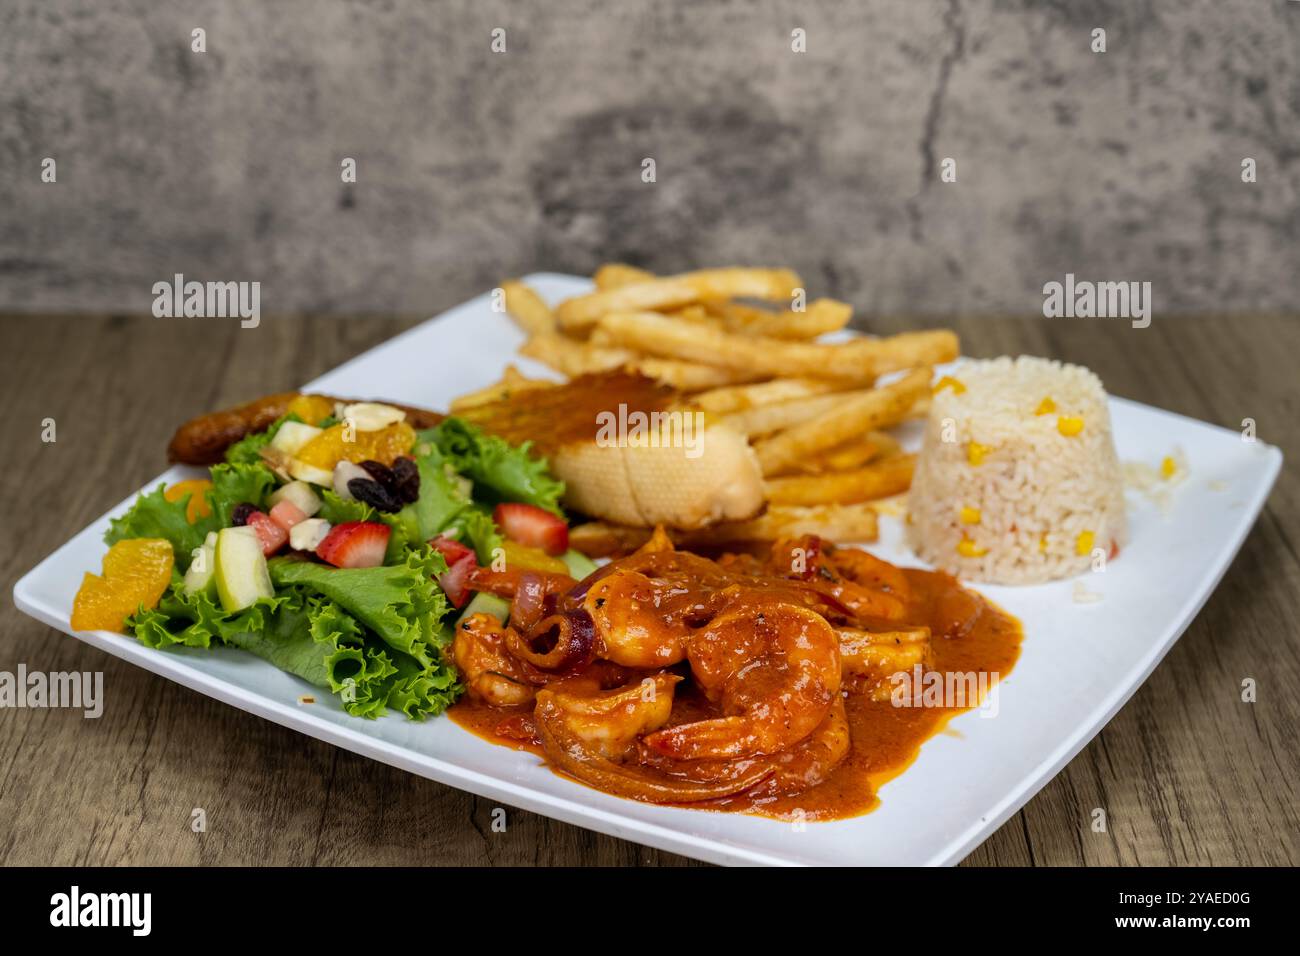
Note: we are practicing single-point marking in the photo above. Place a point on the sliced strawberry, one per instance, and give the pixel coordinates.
(532, 526)
(455, 581)
(461, 563)
(269, 533)
(355, 544)
(451, 549)
(287, 514)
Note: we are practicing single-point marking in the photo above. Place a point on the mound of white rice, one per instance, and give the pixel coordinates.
(1017, 481)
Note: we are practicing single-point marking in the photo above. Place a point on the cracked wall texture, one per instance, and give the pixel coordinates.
(473, 165)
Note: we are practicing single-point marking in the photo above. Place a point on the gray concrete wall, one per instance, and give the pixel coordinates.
(474, 165)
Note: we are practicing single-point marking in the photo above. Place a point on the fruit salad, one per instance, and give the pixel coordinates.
(340, 544)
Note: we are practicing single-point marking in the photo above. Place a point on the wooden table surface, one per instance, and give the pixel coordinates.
(1187, 773)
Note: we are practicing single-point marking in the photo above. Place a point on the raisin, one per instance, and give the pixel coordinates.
(380, 472)
(239, 514)
(406, 479)
(375, 494)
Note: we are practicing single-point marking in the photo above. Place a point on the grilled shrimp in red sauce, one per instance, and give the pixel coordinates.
(762, 684)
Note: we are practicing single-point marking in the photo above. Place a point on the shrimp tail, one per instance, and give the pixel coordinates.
(575, 758)
(720, 738)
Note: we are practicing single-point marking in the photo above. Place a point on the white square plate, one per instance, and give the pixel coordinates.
(1080, 661)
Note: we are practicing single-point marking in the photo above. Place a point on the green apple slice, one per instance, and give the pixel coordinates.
(240, 569)
(292, 436)
(578, 563)
(484, 603)
(298, 492)
(201, 576)
(301, 471)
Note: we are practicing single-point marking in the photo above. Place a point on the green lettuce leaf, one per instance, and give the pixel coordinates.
(375, 677)
(233, 484)
(444, 498)
(153, 516)
(475, 527)
(195, 620)
(311, 638)
(500, 471)
(357, 673)
(336, 510)
(401, 603)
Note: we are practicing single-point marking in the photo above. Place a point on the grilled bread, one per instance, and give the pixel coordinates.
(686, 472)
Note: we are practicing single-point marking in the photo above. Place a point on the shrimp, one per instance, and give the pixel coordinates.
(810, 761)
(608, 722)
(775, 669)
(631, 628)
(806, 764)
(570, 748)
(489, 672)
(863, 568)
(871, 658)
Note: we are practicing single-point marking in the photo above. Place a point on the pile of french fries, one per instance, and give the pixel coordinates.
(743, 345)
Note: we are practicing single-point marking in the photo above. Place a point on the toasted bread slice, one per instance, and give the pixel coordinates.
(681, 470)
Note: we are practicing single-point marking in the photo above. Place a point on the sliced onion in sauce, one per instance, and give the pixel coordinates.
(571, 636)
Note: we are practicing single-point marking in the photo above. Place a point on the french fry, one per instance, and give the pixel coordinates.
(599, 539)
(886, 477)
(736, 315)
(858, 360)
(572, 357)
(689, 376)
(614, 274)
(869, 411)
(692, 313)
(821, 316)
(840, 523)
(672, 292)
(527, 308)
(766, 419)
(598, 336)
(738, 398)
(512, 383)
(854, 453)
(842, 458)
(857, 452)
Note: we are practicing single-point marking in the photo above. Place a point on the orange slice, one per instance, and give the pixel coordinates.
(519, 557)
(136, 572)
(311, 408)
(197, 489)
(383, 445)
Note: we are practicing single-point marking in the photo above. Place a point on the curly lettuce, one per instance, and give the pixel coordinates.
(310, 637)
(236, 484)
(153, 516)
(500, 471)
(401, 603)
